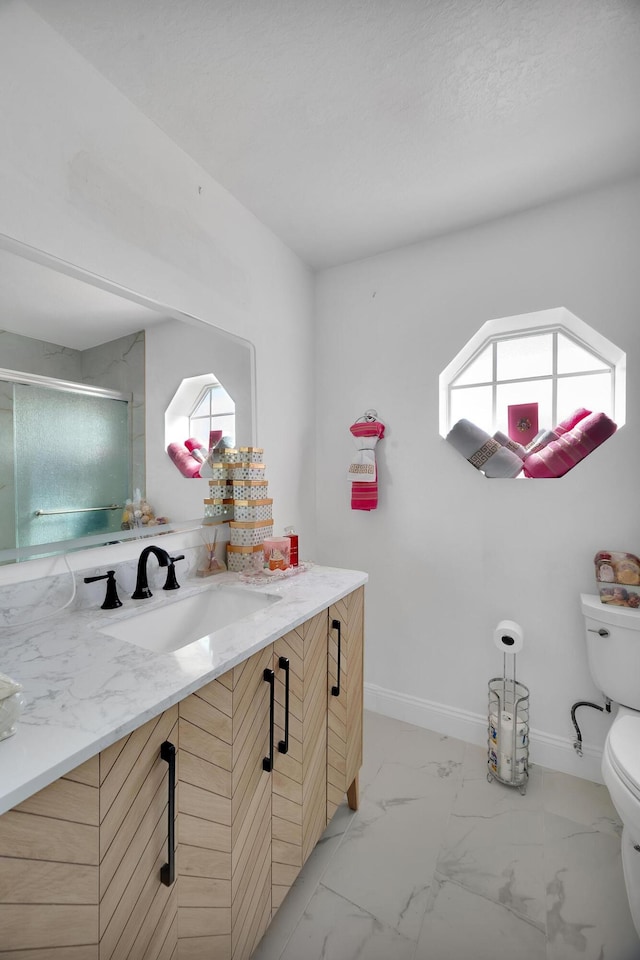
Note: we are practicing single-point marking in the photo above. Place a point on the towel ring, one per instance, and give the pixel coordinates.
(368, 416)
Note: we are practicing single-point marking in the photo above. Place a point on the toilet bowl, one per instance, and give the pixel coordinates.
(613, 650)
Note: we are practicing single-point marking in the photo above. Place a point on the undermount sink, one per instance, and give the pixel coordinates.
(184, 620)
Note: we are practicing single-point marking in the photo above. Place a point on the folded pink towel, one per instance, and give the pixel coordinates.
(559, 456)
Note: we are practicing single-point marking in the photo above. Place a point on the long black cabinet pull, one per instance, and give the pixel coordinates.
(269, 677)
(283, 745)
(336, 625)
(168, 870)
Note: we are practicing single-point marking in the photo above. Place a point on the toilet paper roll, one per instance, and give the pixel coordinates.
(508, 636)
(503, 726)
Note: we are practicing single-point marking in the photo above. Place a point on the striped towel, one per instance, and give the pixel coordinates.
(363, 471)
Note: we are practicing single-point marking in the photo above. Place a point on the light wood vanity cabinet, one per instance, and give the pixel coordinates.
(344, 725)
(80, 861)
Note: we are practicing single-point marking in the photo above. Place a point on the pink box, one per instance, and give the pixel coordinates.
(523, 422)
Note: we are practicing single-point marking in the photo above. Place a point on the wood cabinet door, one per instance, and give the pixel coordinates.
(49, 867)
(345, 700)
(299, 776)
(224, 818)
(138, 912)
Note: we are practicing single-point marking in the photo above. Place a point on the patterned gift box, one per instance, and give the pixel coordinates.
(250, 489)
(252, 454)
(247, 471)
(241, 559)
(219, 472)
(214, 509)
(248, 510)
(220, 490)
(249, 534)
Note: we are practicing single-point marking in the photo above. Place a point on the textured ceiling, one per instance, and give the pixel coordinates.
(353, 126)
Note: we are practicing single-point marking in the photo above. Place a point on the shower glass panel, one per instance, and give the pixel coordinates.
(65, 464)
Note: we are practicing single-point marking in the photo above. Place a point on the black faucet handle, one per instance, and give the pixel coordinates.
(111, 601)
(171, 582)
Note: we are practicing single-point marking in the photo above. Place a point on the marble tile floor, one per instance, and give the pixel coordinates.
(440, 864)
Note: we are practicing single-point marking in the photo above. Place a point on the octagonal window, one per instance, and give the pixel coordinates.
(524, 382)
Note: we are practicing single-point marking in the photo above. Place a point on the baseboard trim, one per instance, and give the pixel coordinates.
(546, 749)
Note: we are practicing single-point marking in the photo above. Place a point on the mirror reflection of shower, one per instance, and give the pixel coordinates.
(72, 449)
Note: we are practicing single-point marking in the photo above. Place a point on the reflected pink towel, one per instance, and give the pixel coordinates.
(559, 456)
(186, 464)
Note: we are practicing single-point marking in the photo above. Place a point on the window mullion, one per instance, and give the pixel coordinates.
(494, 386)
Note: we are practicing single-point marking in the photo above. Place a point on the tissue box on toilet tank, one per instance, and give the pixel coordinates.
(618, 578)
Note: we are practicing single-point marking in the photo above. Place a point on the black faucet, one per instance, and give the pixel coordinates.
(142, 591)
(111, 600)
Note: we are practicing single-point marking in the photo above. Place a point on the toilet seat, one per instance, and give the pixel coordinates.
(623, 751)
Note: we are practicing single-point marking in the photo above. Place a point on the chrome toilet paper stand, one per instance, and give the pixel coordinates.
(508, 728)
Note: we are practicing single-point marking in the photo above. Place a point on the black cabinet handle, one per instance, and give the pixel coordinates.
(283, 745)
(269, 677)
(168, 870)
(336, 625)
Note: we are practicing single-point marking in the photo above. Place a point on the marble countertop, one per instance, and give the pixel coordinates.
(84, 690)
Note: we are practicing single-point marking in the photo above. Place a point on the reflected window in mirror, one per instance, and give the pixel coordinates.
(214, 410)
(199, 405)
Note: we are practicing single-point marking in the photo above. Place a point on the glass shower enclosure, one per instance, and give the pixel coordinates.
(71, 452)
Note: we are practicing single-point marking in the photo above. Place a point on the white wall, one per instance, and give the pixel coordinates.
(449, 552)
(86, 177)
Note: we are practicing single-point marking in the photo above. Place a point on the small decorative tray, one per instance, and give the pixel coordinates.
(268, 576)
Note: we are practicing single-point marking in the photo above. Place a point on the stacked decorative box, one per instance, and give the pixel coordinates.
(245, 488)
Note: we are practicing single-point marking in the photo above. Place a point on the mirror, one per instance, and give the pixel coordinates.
(81, 327)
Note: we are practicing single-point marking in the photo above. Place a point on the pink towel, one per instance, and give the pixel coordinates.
(186, 464)
(559, 456)
(565, 425)
(364, 496)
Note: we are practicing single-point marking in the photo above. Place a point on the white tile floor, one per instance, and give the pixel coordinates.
(440, 864)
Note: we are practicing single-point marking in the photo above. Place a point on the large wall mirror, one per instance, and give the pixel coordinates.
(87, 371)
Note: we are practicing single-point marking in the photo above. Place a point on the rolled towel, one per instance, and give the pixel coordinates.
(510, 444)
(186, 464)
(483, 452)
(565, 425)
(561, 455)
(541, 440)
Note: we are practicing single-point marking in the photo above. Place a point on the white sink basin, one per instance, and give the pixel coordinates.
(183, 621)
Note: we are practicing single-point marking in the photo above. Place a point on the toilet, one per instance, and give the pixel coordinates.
(613, 651)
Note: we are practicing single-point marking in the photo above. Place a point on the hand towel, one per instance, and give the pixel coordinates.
(483, 452)
(364, 490)
(561, 455)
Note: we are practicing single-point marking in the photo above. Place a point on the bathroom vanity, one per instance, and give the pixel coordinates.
(260, 723)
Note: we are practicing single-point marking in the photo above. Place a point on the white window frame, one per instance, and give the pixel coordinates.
(212, 416)
(556, 320)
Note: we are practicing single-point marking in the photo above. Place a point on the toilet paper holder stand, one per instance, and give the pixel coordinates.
(508, 728)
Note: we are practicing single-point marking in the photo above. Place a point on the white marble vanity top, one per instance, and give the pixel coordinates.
(84, 690)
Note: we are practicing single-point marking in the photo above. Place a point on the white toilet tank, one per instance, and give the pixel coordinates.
(613, 649)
